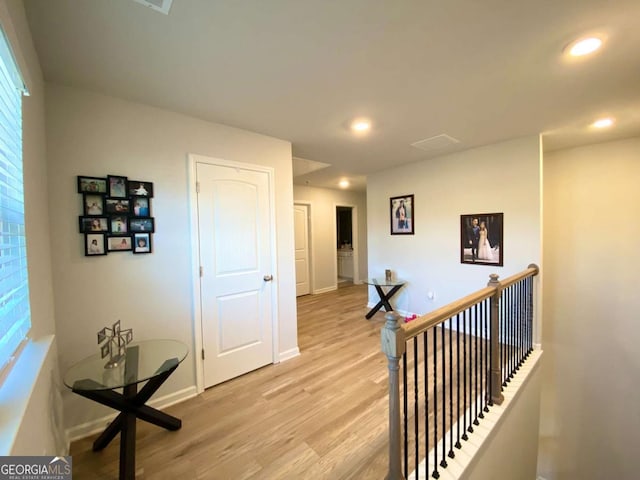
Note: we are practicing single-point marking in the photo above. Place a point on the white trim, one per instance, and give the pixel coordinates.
(195, 271)
(325, 289)
(18, 388)
(95, 426)
(289, 354)
(194, 159)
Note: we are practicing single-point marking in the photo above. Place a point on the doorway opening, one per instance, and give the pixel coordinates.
(346, 241)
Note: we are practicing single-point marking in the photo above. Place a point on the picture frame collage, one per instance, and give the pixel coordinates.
(116, 215)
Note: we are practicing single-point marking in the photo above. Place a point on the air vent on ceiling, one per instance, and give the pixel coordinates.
(435, 143)
(161, 6)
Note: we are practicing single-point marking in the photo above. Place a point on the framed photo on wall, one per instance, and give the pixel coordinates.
(92, 185)
(141, 243)
(402, 215)
(93, 204)
(117, 186)
(481, 239)
(140, 188)
(95, 244)
(94, 224)
(119, 243)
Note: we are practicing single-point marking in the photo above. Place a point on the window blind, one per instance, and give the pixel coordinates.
(15, 314)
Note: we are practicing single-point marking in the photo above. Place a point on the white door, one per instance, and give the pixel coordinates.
(234, 228)
(301, 228)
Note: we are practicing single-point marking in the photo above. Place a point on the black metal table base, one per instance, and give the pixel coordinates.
(131, 405)
(384, 300)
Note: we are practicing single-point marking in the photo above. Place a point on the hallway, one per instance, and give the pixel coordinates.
(320, 415)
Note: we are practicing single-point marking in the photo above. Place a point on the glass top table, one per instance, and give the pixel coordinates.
(150, 361)
(154, 357)
(384, 283)
(378, 283)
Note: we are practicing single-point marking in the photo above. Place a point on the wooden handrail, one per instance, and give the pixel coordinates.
(531, 271)
(432, 319)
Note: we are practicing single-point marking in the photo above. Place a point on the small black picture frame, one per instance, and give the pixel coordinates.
(140, 224)
(402, 215)
(93, 204)
(142, 242)
(119, 243)
(93, 224)
(117, 205)
(140, 188)
(118, 225)
(140, 206)
(92, 184)
(117, 186)
(481, 239)
(95, 244)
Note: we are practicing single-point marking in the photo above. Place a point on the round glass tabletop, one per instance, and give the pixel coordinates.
(143, 361)
(384, 283)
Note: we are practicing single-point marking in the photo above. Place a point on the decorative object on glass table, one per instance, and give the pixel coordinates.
(115, 343)
(387, 275)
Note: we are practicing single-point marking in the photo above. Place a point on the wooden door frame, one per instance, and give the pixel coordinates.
(194, 159)
(309, 241)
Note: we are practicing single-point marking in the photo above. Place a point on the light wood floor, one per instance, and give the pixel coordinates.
(320, 415)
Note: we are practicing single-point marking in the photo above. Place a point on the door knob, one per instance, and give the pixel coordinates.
(268, 278)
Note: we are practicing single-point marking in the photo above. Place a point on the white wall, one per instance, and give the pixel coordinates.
(323, 203)
(89, 134)
(590, 418)
(503, 177)
(31, 434)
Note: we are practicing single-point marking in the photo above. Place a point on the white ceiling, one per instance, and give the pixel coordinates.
(478, 71)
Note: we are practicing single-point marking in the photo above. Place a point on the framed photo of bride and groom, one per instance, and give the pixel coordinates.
(481, 239)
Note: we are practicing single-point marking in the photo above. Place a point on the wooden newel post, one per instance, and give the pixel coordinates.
(393, 346)
(496, 375)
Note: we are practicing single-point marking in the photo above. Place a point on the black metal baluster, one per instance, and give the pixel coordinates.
(516, 329)
(476, 332)
(489, 376)
(487, 350)
(471, 343)
(503, 335)
(416, 415)
(518, 316)
(405, 420)
(435, 473)
(464, 375)
(451, 454)
(458, 444)
(443, 463)
(510, 335)
(530, 314)
(480, 395)
(513, 335)
(425, 347)
(523, 322)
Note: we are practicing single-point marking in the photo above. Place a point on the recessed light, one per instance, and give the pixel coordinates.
(584, 46)
(361, 125)
(344, 183)
(603, 123)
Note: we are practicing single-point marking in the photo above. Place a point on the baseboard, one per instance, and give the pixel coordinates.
(96, 426)
(325, 290)
(288, 354)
